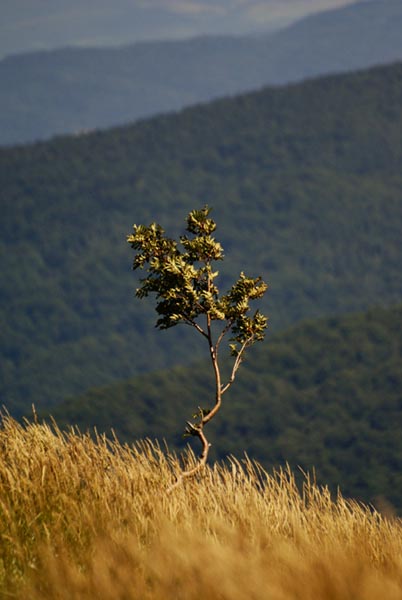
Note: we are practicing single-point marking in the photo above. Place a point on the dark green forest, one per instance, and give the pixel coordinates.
(326, 394)
(305, 182)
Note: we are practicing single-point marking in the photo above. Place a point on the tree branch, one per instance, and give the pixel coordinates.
(198, 432)
(223, 333)
(218, 393)
(196, 326)
(237, 364)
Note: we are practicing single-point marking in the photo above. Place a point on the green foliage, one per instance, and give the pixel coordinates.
(324, 394)
(306, 186)
(185, 292)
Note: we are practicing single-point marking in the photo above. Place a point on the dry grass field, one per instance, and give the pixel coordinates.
(84, 518)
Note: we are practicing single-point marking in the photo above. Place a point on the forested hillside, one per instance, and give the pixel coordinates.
(71, 90)
(305, 182)
(325, 394)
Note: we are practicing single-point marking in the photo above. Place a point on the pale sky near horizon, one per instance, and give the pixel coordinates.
(36, 24)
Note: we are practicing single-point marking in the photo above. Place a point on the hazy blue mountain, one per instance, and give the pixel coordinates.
(28, 25)
(305, 183)
(71, 90)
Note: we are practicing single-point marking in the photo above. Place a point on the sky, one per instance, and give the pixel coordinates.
(39, 24)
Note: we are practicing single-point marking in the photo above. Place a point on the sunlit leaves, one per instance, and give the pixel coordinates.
(198, 222)
(183, 280)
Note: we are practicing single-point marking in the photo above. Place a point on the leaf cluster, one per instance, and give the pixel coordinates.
(183, 280)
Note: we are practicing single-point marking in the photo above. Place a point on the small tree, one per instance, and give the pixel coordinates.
(183, 281)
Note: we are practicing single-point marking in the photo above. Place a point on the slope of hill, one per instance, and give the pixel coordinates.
(305, 182)
(71, 90)
(84, 519)
(325, 394)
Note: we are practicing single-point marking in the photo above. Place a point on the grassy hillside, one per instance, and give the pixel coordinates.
(70, 90)
(83, 519)
(305, 182)
(325, 394)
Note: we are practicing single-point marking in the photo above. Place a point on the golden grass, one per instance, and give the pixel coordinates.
(90, 519)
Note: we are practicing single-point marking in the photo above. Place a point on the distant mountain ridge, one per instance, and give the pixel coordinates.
(75, 90)
(27, 25)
